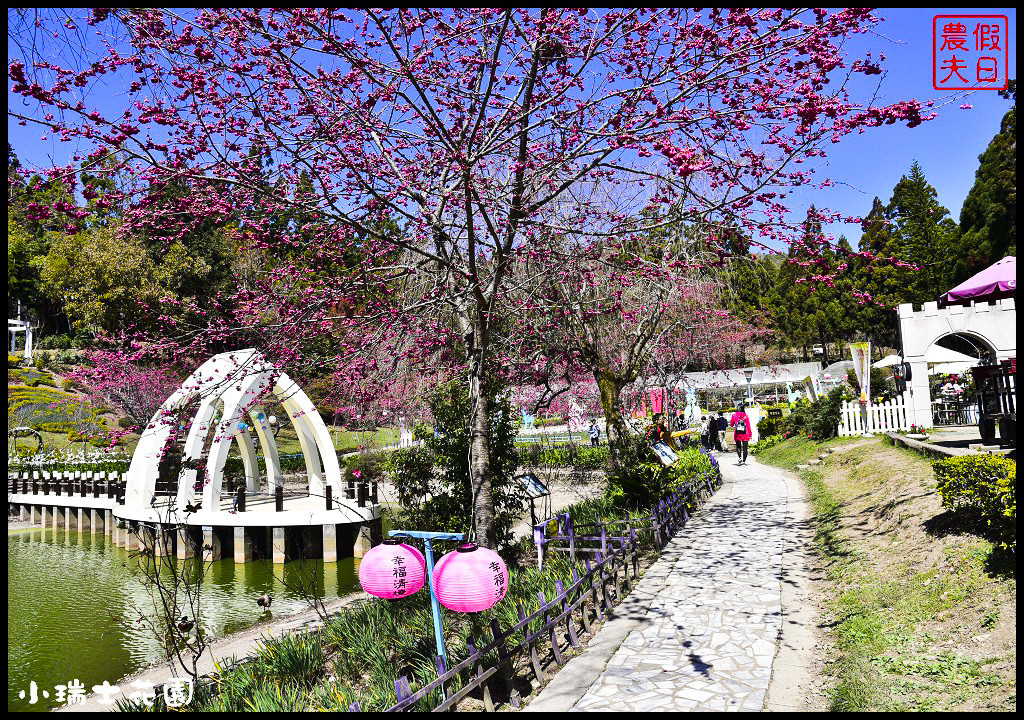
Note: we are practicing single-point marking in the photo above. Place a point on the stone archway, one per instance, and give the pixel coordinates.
(218, 398)
(992, 326)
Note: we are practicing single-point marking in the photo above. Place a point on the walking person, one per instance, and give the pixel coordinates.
(595, 434)
(741, 421)
(714, 433)
(723, 425)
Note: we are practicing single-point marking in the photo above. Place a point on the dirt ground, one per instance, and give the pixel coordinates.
(904, 545)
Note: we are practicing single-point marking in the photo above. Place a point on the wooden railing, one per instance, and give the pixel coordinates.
(494, 664)
(559, 622)
(559, 534)
(50, 485)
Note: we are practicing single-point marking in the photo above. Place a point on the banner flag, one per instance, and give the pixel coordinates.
(862, 367)
(811, 389)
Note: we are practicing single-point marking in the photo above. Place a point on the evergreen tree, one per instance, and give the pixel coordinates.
(988, 221)
(927, 236)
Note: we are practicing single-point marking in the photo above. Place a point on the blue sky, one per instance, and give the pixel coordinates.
(947, 147)
(868, 165)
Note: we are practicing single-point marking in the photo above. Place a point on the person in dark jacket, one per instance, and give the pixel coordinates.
(723, 425)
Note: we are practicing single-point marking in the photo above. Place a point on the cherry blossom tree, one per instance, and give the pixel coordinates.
(475, 130)
(111, 377)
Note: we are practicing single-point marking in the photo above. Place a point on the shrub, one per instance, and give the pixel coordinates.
(13, 361)
(365, 467)
(986, 484)
(55, 342)
(765, 442)
(580, 457)
(819, 419)
(411, 470)
(642, 480)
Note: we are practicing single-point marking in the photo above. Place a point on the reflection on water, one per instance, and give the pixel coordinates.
(73, 600)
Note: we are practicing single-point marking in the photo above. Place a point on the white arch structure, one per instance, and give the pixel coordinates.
(993, 324)
(232, 384)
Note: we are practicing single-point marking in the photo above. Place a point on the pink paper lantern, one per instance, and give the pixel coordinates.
(392, 570)
(470, 579)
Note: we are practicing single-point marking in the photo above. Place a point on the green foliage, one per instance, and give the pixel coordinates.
(642, 480)
(988, 220)
(55, 342)
(411, 471)
(765, 442)
(769, 425)
(100, 276)
(294, 659)
(569, 455)
(985, 484)
(545, 422)
(13, 361)
(805, 310)
(449, 506)
(365, 467)
(819, 420)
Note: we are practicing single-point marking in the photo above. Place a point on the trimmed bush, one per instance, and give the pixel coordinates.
(986, 484)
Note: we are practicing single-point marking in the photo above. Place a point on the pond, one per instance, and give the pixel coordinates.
(72, 605)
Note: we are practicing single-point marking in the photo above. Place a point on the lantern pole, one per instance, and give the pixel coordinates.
(435, 606)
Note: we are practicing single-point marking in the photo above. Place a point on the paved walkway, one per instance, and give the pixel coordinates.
(703, 630)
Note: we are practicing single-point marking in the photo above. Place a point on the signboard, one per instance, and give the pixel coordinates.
(534, 487)
(664, 453)
(774, 412)
(810, 389)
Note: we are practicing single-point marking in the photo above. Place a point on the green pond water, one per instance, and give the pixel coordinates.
(72, 599)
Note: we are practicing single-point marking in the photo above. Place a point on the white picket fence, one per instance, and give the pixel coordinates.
(889, 415)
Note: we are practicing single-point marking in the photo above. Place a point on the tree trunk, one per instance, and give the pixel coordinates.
(610, 387)
(480, 451)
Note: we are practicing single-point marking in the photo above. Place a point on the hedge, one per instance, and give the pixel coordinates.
(986, 484)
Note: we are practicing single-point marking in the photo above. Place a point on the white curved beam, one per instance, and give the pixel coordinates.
(234, 381)
(269, 446)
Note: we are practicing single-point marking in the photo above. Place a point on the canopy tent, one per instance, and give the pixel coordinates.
(837, 371)
(937, 354)
(951, 368)
(888, 361)
(992, 283)
(736, 378)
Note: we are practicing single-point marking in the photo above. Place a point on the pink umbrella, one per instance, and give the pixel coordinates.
(998, 281)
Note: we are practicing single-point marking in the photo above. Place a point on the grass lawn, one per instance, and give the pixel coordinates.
(919, 606)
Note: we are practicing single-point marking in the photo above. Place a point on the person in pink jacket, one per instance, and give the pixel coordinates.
(741, 421)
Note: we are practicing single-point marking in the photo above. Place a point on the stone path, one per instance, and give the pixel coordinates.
(703, 627)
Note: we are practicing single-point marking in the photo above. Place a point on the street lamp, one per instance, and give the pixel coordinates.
(749, 374)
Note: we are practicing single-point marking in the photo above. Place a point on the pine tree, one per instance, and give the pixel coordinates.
(988, 221)
(927, 236)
